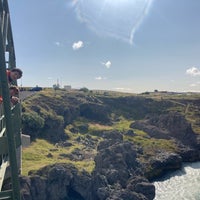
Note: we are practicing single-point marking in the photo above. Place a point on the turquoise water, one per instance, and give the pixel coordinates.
(182, 184)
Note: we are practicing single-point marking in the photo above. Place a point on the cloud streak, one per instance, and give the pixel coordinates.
(100, 15)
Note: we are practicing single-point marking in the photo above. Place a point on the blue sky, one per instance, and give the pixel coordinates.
(122, 45)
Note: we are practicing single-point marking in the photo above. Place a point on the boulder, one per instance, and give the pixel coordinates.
(162, 163)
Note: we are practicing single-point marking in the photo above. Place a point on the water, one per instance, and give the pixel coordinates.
(182, 184)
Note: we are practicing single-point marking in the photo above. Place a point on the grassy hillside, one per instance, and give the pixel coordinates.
(81, 118)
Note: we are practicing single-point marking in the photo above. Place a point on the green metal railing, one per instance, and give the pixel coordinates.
(10, 117)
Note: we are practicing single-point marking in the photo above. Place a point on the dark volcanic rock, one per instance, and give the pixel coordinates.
(130, 133)
(117, 165)
(188, 154)
(166, 126)
(56, 182)
(177, 126)
(117, 176)
(152, 130)
(169, 126)
(141, 185)
(96, 112)
(164, 162)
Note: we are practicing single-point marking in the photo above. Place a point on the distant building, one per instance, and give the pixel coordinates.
(67, 87)
(56, 86)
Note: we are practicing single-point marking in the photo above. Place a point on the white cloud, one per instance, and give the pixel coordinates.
(57, 43)
(77, 45)
(193, 85)
(123, 89)
(100, 78)
(107, 64)
(193, 71)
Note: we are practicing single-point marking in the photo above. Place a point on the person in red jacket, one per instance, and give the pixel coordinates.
(14, 91)
(12, 76)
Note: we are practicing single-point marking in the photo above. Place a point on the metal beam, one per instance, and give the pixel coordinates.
(5, 22)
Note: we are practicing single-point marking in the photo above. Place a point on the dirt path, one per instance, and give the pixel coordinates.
(24, 94)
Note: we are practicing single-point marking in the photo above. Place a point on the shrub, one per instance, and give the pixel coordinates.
(32, 124)
(84, 89)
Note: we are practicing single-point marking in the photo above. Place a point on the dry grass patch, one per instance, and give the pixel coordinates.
(96, 126)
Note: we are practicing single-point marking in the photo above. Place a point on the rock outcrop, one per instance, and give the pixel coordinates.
(162, 163)
(118, 172)
(169, 126)
(166, 126)
(122, 175)
(117, 175)
(56, 182)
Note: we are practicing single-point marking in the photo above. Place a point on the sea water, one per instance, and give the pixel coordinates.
(183, 184)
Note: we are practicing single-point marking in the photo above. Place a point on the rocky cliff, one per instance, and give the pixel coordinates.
(160, 137)
(117, 175)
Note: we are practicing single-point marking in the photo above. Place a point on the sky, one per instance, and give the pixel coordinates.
(121, 45)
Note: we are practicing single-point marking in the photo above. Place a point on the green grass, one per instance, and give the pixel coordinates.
(122, 125)
(36, 156)
(152, 145)
(99, 127)
(140, 132)
(93, 127)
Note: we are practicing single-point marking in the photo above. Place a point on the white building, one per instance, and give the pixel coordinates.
(67, 87)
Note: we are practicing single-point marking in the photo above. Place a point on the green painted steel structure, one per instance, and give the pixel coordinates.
(10, 117)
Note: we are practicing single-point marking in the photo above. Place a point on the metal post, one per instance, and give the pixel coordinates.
(9, 130)
(9, 123)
